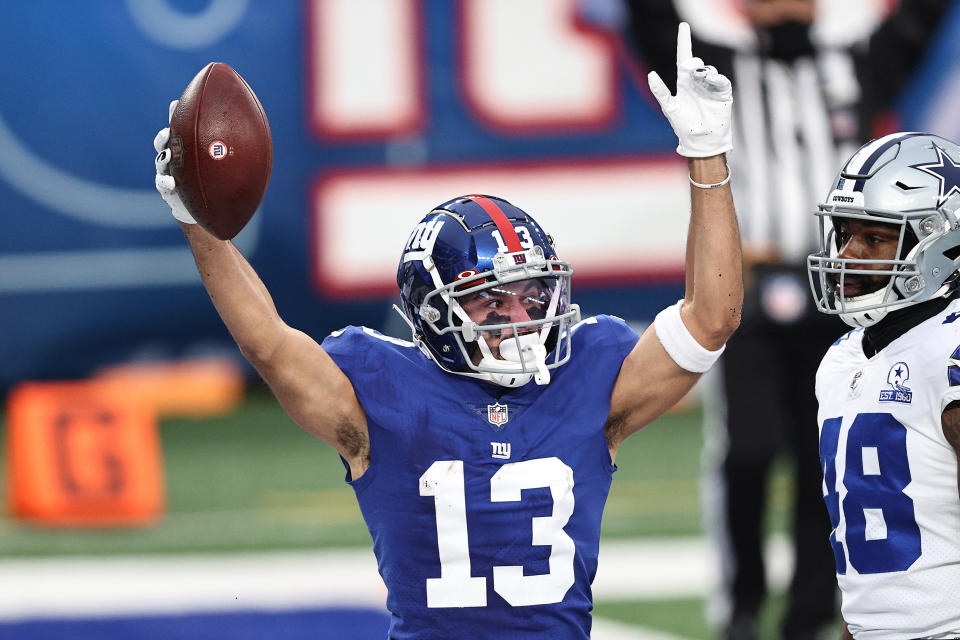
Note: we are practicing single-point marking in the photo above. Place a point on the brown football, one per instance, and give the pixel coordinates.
(222, 152)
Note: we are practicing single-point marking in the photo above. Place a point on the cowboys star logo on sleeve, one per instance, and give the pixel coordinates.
(946, 171)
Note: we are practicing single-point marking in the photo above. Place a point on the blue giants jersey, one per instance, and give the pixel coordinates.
(484, 503)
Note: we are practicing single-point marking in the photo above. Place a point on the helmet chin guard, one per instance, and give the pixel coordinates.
(910, 181)
(527, 351)
(877, 299)
(484, 246)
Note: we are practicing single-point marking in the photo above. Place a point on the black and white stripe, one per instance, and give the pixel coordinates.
(864, 160)
(793, 129)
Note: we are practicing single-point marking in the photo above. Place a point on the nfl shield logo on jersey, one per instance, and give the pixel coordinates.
(856, 385)
(497, 415)
(897, 378)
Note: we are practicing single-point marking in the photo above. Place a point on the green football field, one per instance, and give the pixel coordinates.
(254, 481)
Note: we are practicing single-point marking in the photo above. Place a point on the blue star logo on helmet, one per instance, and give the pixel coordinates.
(946, 171)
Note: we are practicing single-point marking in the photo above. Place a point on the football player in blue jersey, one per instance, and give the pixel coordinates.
(481, 452)
(889, 390)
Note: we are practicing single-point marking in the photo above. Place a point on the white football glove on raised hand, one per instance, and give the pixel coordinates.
(700, 112)
(164, 181)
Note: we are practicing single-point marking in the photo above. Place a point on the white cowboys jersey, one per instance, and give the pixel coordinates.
(890, 480)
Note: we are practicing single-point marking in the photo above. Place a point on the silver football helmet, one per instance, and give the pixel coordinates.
(910, 180)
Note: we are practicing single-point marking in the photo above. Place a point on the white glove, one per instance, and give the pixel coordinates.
(164, 181)
(700, 112)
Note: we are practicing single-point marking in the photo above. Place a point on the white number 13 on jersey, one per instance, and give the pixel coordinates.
(455, 587)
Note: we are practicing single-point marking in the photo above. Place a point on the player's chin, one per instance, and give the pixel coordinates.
(856, 286)
(850, 291)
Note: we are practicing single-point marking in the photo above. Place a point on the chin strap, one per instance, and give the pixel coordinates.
(862, 319)
(413, 331)
(524, 350)
(531, 352)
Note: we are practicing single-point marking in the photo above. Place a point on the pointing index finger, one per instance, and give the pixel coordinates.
(684, 48)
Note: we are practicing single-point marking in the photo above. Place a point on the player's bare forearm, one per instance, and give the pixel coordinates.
(700, 115)
(714, 282)
(650, 380)
(950, 423)
(238, 294)
(306, 381)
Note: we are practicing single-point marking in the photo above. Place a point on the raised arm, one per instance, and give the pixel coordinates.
(692, 332)
(306, 381)
(714, 284)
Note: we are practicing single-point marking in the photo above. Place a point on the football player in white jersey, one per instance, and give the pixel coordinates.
(889, 390)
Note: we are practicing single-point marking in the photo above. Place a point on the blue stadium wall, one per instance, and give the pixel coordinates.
(93, 270)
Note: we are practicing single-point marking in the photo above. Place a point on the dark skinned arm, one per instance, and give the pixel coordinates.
(845, 632)
(950, 423)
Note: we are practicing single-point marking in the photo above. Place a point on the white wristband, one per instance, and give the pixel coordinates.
(715, 185)
(679, 344)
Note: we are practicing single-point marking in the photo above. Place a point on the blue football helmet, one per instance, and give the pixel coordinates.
(907, 180)
(481, 246)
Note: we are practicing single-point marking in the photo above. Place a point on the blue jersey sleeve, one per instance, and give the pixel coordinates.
(346, 347)
(602, 340)
(377, 366)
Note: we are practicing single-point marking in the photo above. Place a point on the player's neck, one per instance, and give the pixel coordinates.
(898, 322)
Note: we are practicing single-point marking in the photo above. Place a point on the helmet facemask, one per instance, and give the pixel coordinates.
(901, 278)
(526, 349)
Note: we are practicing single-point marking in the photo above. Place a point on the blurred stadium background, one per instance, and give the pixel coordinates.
(379, 109)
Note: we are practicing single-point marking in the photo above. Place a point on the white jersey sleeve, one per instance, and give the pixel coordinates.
(890, 480)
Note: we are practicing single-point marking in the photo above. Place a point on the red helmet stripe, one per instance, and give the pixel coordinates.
(507, 231)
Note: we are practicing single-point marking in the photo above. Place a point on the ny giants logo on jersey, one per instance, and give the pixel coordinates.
(501, 450)
(896, 378)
